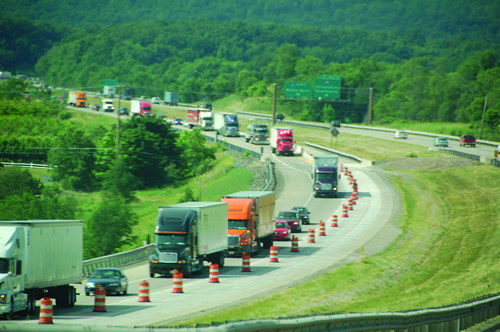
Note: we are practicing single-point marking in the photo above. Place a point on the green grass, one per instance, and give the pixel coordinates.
(447, 254)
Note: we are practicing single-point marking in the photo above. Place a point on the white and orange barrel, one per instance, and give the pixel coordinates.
(273, 254)
(213, 273)
(100, 299)
(144, 291)
(45, 311)
(177, 282)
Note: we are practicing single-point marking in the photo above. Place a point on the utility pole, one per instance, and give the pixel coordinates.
(482, 118)
(274, 104)
(118, 127)
(370, 106)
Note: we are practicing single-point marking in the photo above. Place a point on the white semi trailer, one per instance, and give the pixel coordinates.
(39, 258)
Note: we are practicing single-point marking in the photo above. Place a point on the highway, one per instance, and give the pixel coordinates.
(369, 225)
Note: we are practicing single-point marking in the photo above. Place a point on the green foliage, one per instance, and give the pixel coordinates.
(120, 182)
(15, 181)
(188, 196)
(197, 155)
(73, 159)
(109, 227)
(65, 115)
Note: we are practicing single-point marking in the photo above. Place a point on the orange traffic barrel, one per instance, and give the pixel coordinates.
(274, 254)
(144, 291)
(353, 198)
(100, 299)
(349, 204)
(322, 231)
(177, 282)
(311, 236)
(334, 221)
(214, 273)
(295, 244)
(46, 311)
(246, 263)
(344, 211)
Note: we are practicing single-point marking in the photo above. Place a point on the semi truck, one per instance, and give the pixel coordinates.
(78, 99)
(140, 107)
(226, 124)
(107, 105)
(109, 91)
(39, 258)
(200, 117)
(250, 221)
(324, 174)
(257, 134)
(5, 75)
(171, 98)
(281, 140)
(186, 235)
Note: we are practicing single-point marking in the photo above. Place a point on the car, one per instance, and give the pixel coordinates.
(126, 98)
(206, 105)
(400, 134)
(110, 278)
(441, 141)
(304, 213)
(335, 123)
(280, 116)
(292, 217)
(177, 121)
(468, 139)
(156, 100)
(282, 231)
(143, 98)
(101, 95)
(96, 107)
(124, 111)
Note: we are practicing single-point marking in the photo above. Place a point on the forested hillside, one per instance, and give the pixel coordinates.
(436, 19)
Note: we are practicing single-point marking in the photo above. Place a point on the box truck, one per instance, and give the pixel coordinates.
(171, 98)
(78, 99)
(109, 91)
(200, 117)
(281, 140)
(250, 221)
(186, 235)
(324, 174)
(140, 107)
(226, 124)
(39, 258)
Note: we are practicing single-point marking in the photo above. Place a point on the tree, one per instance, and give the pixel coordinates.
(120, 182)
(196, 154)
(15, 181)
(73, 159)
(286, 60)
(109, 227)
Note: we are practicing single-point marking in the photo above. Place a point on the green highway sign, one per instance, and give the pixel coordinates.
(328, 88)
(330, 77)
(109, 83)
(298, 89)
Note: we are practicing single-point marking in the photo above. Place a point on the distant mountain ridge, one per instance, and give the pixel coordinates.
(475, 20)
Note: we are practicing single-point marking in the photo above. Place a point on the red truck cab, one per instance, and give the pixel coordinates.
(469, 140)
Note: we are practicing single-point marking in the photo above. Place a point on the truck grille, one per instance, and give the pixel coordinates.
(233, 240)
(286, 148)
(326, 186)
(168, 257)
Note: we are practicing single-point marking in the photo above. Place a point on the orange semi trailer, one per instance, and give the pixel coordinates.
(250, 221)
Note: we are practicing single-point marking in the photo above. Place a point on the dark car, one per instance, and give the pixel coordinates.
(304, 213)
(206, 105)
(280, 116)
(335, 123)
(177, 121)
(96, 107)
(126, 98)
(123, 111)
(110, 278)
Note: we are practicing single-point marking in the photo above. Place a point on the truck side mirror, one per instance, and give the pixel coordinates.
(19, 267)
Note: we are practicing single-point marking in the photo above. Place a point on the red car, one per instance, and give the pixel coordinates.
(469, 140)
(282, 231)
(292, 218)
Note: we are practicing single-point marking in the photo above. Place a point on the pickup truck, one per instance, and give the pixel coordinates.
(468, 140)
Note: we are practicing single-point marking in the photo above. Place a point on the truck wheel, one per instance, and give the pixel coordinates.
(30, 309)
(10, 314)
(221, 260)
(151, 274)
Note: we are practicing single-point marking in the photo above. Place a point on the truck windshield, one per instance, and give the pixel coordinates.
(146, 108)
(326, 176)
(230, 125)
(171, 240)
(286, 140)
(237, 224)
(4, 265)
(261, 130)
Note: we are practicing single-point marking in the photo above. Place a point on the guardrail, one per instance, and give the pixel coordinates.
(118, 260)
(25, 165)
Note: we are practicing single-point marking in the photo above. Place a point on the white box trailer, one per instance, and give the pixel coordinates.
(39, 258)
(186, 235)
